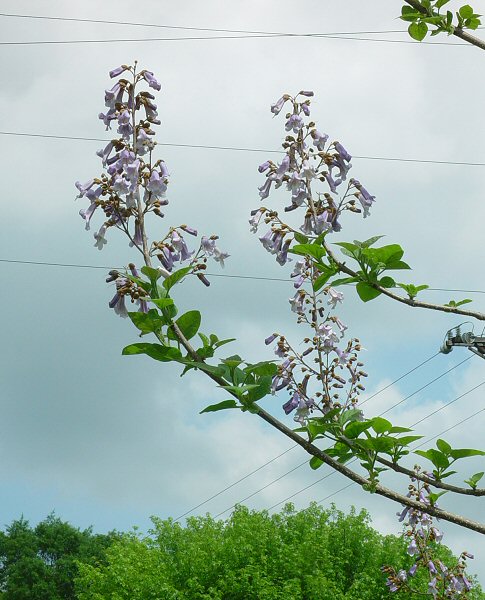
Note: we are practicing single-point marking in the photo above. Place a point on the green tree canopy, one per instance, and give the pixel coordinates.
(314, 554)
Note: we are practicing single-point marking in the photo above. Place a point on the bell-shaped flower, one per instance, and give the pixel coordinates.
(87, 213)
(105, 152)
(264, 166)
(297, 302)
(99, 238)
(115, 72)
(150, 79)
(294, 123)
(125, 128)
(220, 256)
(277, 106)
(305, 107)
(412, 548)
(255, 219)
(114, 95)
(208, 245)
(121, 186)
(108, 117)
(319, 139)
(84, 187)
(306, 93)
(342, 151)
(265, 188)
(292, 403)
(334, 297)
(282, 256)
(365, 199)
(179, 244)
(323, 222)
(283, 167)
(156, 185)
(138, 236)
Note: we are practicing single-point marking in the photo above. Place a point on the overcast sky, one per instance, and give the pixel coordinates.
(109, 440)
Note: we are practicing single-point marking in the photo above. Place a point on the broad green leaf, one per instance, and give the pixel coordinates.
(300, 238)
(405, 440)
(232, 361)
(441, 3)
(398, 429)
(220, 406)
(474, 479)
(380, 444)
(355, 428)
(155, 351)
(146, 322)
(313, 250)
(466, 11)
(439, 459)
(321, 280)
(465, 453)
(344, 281)
(163, 302)
(443, 447)
(175, 277)
(262, 368)
(371, 241)
(315, 462)
(151, 273)
(188, 324)
(262, 389)
(366, 292)
(353, 414)
(380, 425)
(220, 343)
(418, 31)
(387, 282)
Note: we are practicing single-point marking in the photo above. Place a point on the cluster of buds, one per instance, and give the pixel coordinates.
(133, 184)
(423, 538)
(127, 288)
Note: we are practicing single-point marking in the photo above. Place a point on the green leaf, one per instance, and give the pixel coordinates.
(313, 250)
(474, 479)
(220, 406)
(380, 425)
(405, 440)
(434, 497)
(300, 238)
(366, 292)
(418, 31)
(220, 343)
(152, 274)
(398, 430)
(175, 277)
(344, 281)
(163, 302)
(355, 428)
(381, 444)
(315, 462)
(371, 241)
(465, 453)
(146, 322)
(262, 368)
(387, 282)
(353, 414)
(321, 280)
(188, 324)
(213, 370)
(466, 11)
(439, 459)
(232, 361)
(441, 3)
(155, 351)
(443, 447)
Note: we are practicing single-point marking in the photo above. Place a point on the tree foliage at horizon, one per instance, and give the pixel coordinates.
(312, 554)
(40, 563)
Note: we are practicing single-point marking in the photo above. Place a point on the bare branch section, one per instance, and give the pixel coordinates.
(456, 310)
(463, 35)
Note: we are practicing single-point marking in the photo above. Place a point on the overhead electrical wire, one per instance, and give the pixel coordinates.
(242, 149)
(325, 476)
(250, 277)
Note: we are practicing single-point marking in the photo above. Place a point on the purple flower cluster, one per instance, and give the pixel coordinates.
(133, 185)
(422, 535)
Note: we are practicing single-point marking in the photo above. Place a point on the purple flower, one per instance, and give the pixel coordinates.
(100, 240)
(108, 117)
(179, 244)
(334, 297)
(308, 94)
(84, 187)
(306, 109)
(265, 188)
(104, 154)
(115, 72)
(220, 256)
(125, 129)
(323, 222)
(269, 340)
(143, 141)
(114, 95)
(118, 301)
(208, 245)
(138, 237)
(284, 166)
(319, 139)
(412, 548)
(87, 213)
(277, 106)
(282, 257)
(156, 185)
(342, 151)
(264, 166)
(432, 587)
(365, 199)
(343, 357)
(121, 186)
(302, 411)
(431, 567)
(412, 570)
(292, 403)
(255, 219)
(297, 302)
(150, 79)
(189, 230)
(294, 123)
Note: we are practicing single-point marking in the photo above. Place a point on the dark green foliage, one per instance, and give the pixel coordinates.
(314, 554)
(40, 563)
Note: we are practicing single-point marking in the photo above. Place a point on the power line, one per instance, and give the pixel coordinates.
(235, 483)
(242, 149)
(422, 444)
(425, 386)
(131, 23)
(250, 277)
